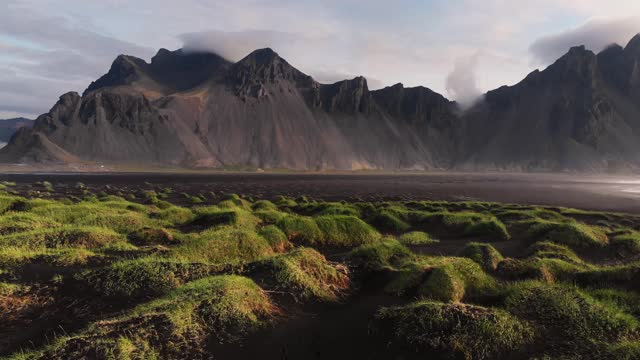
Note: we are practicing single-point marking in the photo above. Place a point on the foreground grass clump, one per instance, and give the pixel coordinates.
(416, 238)
(465, 223)
(333, 208)
(549, 250)
(452, 279)
(388, 253)
(213, 216)
(483, 254)
(225, 245)
(329, 230)
(88, 237)
(263, 205)
(301, 229)
(345, 231)
(218, 309)
(173, 215)
(119, 216)
(146, 277)
(387, 221)
(572, 234)
(14, 222)
(306, 274)
(627, 244)
(276, 238)
(474, 224)
(569, 320)
(152, 236)
(624, 275)
(470, 332)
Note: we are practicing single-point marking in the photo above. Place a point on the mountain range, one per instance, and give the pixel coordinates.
(198, 110)
(8, 127)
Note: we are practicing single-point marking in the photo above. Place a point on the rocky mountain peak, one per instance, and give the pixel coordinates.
(347, 96)
(264, 65)
(124, 70)
(633, 47)
(261, 67)
(579, 64)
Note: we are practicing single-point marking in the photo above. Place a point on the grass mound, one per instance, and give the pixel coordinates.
(345, 231)
(233, 200)
(218, 309)
(627, 244)
(269, 217)
(173, 215)
(389, 222)
(567, 318)
(625, 275)
(14, 222)
(152, 236)
(483, 254)
(263, 205)
(141, 278)
(301, 229)
(549, 250)
(516, 269)
(469, 332)
(306, 275)
(223, 245)
(334, 208)
(209, 217)
(87, 237)
(572, 234)
(452, 279)
(475, 224)
(119, 216)
(416, 238)
(385, 254)
(276, 238)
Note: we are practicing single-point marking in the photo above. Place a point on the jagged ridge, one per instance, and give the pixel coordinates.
(197, 109)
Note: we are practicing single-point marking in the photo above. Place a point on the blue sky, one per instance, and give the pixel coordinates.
(459, 48)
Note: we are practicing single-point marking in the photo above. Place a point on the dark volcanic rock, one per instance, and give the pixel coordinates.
(8, 127)
(578, 114)
(198, 110)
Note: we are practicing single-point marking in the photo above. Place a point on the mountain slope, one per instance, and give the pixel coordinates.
(197, 110)
(581, 113)
(8, 127)
(183, 109)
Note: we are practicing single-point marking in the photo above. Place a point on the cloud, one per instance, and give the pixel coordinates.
(595, 34)
(46, 55)
(461, 82)
(235, 45)
(312, 51)
(62, 46)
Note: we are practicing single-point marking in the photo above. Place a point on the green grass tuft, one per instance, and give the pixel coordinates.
(301, 229)
(465, 331)
(572, 234)
(483, 254)
(417, 238)
(306, 274)
(385, 254)
(569, 319)
(345, 231)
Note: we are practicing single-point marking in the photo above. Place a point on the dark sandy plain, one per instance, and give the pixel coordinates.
(588, 192)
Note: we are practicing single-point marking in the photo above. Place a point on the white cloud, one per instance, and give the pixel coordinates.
(596, 35)
(461, 81)
(55, 46)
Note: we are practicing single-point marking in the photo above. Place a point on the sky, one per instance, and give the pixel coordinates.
(460, 48)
